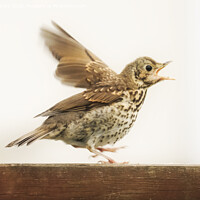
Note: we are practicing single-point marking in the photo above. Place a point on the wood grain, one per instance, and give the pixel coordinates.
(85, 181)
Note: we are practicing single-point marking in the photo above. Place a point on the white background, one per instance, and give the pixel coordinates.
(166, 130)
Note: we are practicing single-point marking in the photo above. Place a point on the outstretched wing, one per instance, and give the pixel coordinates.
(81, 68)
(77, 65)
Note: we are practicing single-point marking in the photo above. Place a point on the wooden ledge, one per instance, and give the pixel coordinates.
(95, 181)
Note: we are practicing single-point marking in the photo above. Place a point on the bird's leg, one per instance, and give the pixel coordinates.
(110, 149)
(101, 149)
(97, 153)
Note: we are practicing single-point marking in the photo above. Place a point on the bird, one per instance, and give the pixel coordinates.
(106, 110)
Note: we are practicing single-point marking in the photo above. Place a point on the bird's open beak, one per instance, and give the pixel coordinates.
(164, 65)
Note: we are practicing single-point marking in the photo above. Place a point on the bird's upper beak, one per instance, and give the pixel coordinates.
(161, 67)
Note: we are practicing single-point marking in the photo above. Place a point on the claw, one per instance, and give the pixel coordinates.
(105, 162)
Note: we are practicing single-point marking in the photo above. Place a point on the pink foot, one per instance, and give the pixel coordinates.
(110, 161)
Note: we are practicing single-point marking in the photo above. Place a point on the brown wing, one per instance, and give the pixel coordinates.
(83, 101)
(77, 65)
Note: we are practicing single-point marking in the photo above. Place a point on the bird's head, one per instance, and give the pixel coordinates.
(143, 72)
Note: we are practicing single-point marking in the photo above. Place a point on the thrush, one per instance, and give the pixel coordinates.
(106, 110)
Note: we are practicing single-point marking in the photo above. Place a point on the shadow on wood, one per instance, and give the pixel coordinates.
(85, 181)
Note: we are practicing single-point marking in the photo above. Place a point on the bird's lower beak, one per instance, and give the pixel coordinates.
(164, 65)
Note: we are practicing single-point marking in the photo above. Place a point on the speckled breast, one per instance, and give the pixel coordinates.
(108, 124)
(124, 114)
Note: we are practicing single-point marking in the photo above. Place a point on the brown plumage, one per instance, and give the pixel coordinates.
(106, 110)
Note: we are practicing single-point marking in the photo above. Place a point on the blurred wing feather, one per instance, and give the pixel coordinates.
(77, 65)
(81, 68)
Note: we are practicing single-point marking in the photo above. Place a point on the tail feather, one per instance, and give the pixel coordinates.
(28, 138)
(37, 137)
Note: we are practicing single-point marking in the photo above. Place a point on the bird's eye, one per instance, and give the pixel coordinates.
(148, 68)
